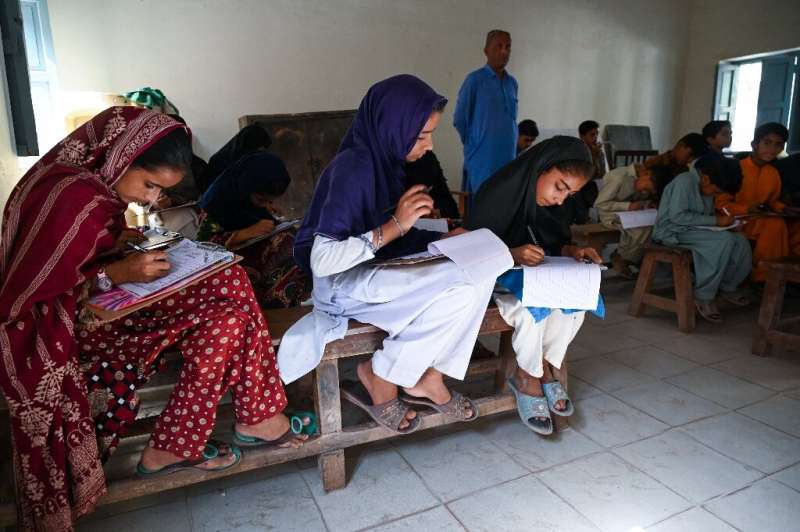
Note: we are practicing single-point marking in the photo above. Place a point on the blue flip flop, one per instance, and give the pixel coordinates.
(530, 408)
(554, 392)
(212, 450)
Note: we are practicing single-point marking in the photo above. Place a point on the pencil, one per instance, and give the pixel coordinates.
(533, 236)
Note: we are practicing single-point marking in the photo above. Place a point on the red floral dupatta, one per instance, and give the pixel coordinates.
(61, 215)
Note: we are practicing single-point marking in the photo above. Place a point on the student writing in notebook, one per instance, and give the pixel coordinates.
(721, 259)
(241, 205)
(630, 188)
(431, 312)
(761, 194)
(61, 229)
(687, 149)
(522, 204)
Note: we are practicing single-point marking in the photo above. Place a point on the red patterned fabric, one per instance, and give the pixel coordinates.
(60, 217)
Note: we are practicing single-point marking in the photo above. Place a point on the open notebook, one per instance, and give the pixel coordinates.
(280, 228)
(632, 219)
(561, 282)
(189, 262)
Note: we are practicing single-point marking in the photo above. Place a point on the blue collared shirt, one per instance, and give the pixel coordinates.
(486, 120)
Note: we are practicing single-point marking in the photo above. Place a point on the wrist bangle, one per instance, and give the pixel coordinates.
(380, 237)
(399, 227)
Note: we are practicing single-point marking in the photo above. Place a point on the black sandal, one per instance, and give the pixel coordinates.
(455, 408)
(213, 449)
(389, 414)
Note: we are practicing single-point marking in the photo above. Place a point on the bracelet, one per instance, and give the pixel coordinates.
(380, 237)
(399, 227)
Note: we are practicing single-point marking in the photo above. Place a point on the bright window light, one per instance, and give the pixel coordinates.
(744, 119)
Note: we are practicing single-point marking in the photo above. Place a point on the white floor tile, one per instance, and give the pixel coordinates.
(790, 477)
(579, 389)
(783, 413)
(173, 517)
(604, 373)
(653, 361)
(521, 505)
(613, 494)
(699, 350)
(688, 467)
(283, 503)
(724, 389)
(608, 421)
(766, 506)
(538, 452)
(382, 487)
(438, 519)
(747, 441)
(668, 403)
(695, 520)
(768, 372)
(460, 463)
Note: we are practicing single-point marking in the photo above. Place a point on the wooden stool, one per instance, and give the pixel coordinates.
(779, 272)
(683, 304)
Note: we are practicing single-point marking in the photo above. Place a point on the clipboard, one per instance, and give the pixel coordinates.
(106, 315)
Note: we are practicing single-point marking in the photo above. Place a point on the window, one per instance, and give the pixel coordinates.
(751, 91)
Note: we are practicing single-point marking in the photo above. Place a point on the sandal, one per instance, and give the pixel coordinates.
(708, 311)
(213, 449)
(389, 414)
(255, 441)
(529, 408)
(735, 298)
(454, 409)
(554, 393)
(298, 424)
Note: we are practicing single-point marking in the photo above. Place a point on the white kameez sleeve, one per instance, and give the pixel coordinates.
(330, 256)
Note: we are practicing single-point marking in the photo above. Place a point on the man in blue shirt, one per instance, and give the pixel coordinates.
(486, 114)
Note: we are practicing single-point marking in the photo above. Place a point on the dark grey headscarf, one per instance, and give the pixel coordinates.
(506, 202)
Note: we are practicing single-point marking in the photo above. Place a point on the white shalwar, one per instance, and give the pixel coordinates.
(432, 312)
(536, 342)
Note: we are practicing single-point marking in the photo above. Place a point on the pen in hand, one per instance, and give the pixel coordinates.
(533, 236)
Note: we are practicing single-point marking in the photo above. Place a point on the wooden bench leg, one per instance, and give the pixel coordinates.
(684, 294)
(508, 362)
(769, 315)
(329, 411)
(643, 283)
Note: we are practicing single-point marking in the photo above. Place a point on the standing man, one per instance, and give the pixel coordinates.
(486, 114)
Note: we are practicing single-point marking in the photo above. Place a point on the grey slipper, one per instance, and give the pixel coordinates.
(554, 393)
(455, 408)
(530, 408)
(389, 414)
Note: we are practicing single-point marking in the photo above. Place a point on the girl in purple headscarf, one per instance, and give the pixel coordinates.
(361, 209)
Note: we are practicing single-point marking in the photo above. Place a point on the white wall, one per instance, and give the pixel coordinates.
(726, 29)
(614, 61)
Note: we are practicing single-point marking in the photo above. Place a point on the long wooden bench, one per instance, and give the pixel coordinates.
(328, 445)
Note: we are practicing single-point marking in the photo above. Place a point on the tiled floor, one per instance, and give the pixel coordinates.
(672, 432)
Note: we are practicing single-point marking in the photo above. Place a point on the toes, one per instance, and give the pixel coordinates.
(411, 414)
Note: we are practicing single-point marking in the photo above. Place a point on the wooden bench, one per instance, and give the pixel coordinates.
(328, 445)
(594, 236)
(683, 303)
(779, 272)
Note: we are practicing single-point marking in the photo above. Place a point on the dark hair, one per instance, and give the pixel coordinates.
(696, 143)
(662, 175)
(725, 173)
(768, 129)
(576, 167)
(529, 128)
(494, 33)
(586, 126)
(173, 150)
(713, 128)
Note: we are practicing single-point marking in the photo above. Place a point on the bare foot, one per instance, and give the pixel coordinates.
(272, 429)
(155, 459)
(431, 386)
(381, 391)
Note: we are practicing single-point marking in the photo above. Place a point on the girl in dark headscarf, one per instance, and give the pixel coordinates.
(432, 313)
(240, 206)
(523, 205)
(249, 139)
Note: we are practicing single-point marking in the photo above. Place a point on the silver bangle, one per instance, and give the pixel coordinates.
(380, 237)
(399, 227)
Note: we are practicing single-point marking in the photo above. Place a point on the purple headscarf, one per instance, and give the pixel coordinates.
(366, 177)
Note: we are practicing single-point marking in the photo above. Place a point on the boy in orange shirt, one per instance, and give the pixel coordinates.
(760, 193)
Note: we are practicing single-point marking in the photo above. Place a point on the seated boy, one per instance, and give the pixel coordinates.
(686, 150)
(760, 193)
(718, 135)
(589, 132)
(528, 131)
(630, 188)
(722, 259)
